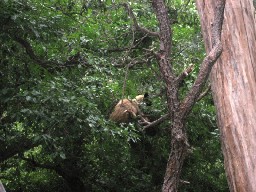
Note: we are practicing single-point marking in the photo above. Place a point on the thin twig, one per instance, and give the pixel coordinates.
(204, 93)
(128, 65)
(184, 74)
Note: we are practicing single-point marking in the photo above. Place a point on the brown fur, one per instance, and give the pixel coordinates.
(125, 111)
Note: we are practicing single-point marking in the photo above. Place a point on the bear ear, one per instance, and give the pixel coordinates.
(147, 99)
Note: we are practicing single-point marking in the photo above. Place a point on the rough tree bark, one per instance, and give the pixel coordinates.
(233, 81)
(179, 110)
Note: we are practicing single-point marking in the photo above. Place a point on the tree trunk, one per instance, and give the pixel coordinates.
(233, 80)
(2, 189)
(177, 156)
(179, 109)
(177, 131)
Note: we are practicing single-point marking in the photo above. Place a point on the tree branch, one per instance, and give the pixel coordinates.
(164, 54)
(37, 164)
(31, 53)
(156, 122)
(184, 74)
(204, 93)
(208, 62)
(72, 61)
(136, 25)
(8, 151)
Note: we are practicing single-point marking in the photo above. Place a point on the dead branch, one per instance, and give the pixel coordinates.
(184, 182)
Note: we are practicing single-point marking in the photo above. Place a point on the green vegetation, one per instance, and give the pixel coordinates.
(63, 67)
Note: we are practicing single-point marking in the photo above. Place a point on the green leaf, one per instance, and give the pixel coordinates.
(62, 155)
(28, 98)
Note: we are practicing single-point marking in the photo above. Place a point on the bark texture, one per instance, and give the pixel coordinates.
(2, 189)
(179, 110)
(177, 131)
(233, 80)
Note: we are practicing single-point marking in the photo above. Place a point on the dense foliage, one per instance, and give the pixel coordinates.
(64, 64)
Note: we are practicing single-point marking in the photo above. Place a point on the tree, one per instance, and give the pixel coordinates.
(179, 109)
(234, 89)
(63, 65)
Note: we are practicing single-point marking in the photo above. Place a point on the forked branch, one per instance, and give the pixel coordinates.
(135, 23)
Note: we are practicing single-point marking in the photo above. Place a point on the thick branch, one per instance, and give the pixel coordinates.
(164, 54)
(34, 163)
(164, 22)
(136, 25)
(8, 151)
(30, 52)
(72, 61)
(71, 176)
(208, 62)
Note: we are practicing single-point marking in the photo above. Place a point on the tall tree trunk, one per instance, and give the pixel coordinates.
(177, 131)
(233, 80)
